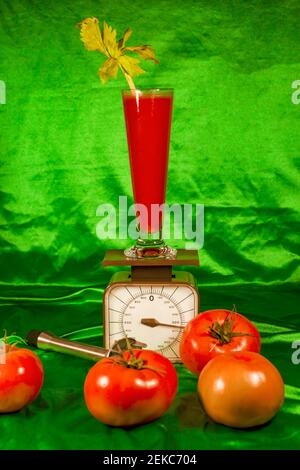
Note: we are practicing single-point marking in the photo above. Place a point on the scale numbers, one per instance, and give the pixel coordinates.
(152, 314)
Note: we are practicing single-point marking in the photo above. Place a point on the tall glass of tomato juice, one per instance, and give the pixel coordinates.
(148, 116)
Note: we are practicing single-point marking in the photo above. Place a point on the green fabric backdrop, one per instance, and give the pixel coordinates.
(234, 147)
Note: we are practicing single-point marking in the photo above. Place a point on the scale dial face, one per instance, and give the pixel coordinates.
(153, 314)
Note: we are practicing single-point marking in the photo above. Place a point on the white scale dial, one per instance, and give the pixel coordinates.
(153, 314)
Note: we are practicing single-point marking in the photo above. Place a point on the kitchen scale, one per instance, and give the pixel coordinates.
(151, 302)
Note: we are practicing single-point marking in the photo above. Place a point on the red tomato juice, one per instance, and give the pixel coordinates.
(148, 117)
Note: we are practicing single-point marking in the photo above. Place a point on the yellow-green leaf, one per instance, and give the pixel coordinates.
(91, 36)
(105, 42)
(146, 52)
(130, 65)
(122, 41)
(110, 41)
(108, 70)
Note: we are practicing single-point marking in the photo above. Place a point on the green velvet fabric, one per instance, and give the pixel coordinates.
(63, 151)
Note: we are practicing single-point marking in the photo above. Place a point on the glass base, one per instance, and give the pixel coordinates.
(159, 250)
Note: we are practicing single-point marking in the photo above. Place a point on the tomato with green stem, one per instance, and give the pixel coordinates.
(21, 377)
(135, 387)
(216, 332)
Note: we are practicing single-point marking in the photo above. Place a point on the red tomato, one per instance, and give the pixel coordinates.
(241, 389)
(216, 332)
(21, 378)
(135, 387)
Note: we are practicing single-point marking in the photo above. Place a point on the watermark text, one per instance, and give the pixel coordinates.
(296, 94)
(2, 352)
(2, 92)
(296, 354)
(176, 221)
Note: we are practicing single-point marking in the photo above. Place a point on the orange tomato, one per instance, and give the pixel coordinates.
(241, 389)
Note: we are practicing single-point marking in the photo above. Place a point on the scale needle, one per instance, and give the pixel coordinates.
(152, 322)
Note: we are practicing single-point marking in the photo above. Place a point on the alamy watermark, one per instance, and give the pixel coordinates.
(178, 221)
(2, 352)
(296, 354)
(2, 92)
(296, 94)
